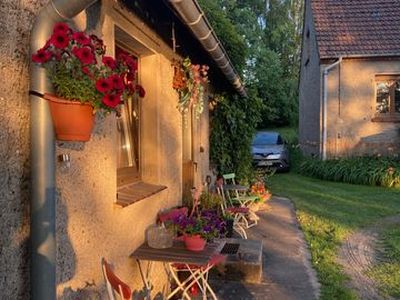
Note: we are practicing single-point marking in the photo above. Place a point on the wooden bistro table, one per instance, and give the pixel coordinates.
(197, 263)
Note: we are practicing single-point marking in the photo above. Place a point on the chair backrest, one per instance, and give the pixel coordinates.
(114, 284)
(229, 177)
(220, 192)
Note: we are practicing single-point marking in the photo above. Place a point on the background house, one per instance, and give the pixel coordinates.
(355, 107)
(91, 221)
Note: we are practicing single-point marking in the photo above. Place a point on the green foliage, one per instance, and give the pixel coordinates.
(232, 41)
(263, 39)
(328, 212)
(233, 125)
(78, 87)
(379, 171)
(210, 201)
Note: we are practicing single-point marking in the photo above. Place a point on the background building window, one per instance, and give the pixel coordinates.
(388, 95)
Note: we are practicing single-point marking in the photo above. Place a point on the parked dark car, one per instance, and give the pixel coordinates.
(269, 150)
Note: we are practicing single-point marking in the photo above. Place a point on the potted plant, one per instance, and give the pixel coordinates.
(258, 189)
(199, 229)
(86, 81)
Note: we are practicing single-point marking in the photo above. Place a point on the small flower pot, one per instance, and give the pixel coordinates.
(73, 121)
(194, 242)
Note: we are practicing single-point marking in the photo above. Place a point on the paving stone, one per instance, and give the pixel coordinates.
(287, 272)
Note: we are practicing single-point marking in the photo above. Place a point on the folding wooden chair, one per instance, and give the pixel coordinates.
(116, 288)
(197, 274)
(237, 195)
(239, 213)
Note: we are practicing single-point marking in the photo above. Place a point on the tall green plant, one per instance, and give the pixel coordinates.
(358, 170)
(233, 125)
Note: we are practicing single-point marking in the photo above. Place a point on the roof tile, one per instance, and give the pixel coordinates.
(357, 27)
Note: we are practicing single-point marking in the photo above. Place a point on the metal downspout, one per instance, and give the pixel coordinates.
(325, 106)
(195, 19)
(43, 187)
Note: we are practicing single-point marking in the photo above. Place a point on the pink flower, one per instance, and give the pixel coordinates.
(103, 85)
(109, 62)
(81, 38)
(116, 82)
(85, 55)
(112, 100)
(41, 56)
(60, 40)
(61, 28)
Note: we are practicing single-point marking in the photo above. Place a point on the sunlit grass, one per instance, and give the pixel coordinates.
(387, 273)
(328, 212)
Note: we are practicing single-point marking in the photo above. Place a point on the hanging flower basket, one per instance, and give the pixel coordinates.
(190, 82)
(73, 121)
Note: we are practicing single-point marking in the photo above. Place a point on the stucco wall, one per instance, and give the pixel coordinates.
(309, 89)
(351, 130)
(89, 224)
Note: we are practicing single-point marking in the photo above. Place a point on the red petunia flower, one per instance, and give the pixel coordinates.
(41, 56)
(60, 40)
(86, 71)
(130, 76)
(131, 88)
(112, 100)
(98, 44)
(109, 62)
(131, 63)
(103, 85)
(116, 82)
(61, 28)
(140, 90)
(81, 38)
(85, 55)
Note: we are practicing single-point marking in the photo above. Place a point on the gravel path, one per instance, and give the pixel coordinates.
(359, 253)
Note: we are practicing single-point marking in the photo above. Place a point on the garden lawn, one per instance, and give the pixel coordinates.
(330, 211)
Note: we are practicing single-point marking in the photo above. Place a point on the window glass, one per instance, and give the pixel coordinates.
(397, 97)
(382, 97)
(128, 123)
(266, 138)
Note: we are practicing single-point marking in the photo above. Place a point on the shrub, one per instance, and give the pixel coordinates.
(366, 170)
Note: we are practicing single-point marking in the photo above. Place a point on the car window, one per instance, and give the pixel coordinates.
(267, 138)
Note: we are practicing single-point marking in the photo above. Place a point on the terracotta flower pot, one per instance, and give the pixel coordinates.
(72, 120)
(194, 242)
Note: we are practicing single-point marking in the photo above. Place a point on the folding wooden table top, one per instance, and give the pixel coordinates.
(178, 253)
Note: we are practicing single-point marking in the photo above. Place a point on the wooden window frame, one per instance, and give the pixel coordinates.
(130, 186)
(392, 116)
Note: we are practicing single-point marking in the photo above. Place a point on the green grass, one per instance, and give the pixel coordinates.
(330, 211)
(387, 273)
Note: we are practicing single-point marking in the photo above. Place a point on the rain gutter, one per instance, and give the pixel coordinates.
(43, 161)
(194, 17)
(325, 106)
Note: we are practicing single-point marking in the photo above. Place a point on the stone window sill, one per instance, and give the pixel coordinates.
(134, 192)
(388, 118)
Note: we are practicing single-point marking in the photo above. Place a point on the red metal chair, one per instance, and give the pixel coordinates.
(116, 288)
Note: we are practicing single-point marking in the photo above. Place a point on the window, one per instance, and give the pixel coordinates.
(387, 107)
(130, 186)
